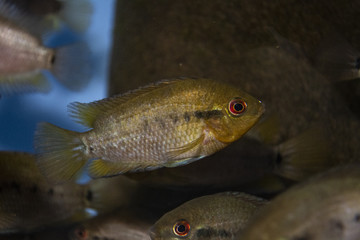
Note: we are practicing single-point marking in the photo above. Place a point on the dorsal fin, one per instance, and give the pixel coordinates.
(87, 113)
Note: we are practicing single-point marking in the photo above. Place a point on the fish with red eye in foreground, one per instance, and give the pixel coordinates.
(23, 56)
(218, 216)
(167, 124)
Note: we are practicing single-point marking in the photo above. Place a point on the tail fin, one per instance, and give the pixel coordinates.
(61, 153)
(304, 155)
(72, 65)
(77, 14)
(337, 59)
(30, 82)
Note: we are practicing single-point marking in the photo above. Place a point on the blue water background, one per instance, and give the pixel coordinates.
(19, 114)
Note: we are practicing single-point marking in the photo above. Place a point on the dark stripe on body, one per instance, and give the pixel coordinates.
(212, 233)
(208, 114)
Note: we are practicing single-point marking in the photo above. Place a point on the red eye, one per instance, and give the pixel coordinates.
(237, 106)
(181, 228)
(81, 233)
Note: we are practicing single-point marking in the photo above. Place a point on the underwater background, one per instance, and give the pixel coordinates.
(19, 113)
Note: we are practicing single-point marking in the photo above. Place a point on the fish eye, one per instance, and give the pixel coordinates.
(237, 106)
(81, 233)
(181, 228)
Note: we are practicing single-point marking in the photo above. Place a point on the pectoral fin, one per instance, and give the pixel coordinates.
(174, 155)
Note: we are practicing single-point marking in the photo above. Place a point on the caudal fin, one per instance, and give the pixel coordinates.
(338, 60)
(72, 65)
(304, 155)
(60, 152)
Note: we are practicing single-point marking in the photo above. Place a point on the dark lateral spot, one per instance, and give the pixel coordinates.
(51, 192)
(146, 124)
(89, 195)
(187, 117)
(16, 186)
(174, 118)
(212, 233)
(208, 114)
(160, 121)
(357, 217)
(34, 188)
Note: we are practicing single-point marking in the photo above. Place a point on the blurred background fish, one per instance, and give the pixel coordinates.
(24, 56)
(166, 124)
(29, 203)
(217, 216)
(118, 225)
(324, 207)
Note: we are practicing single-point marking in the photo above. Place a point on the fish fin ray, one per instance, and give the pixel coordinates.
(60, 152)
(24, 83)
(73, 65)
(88, 113)
(304, 155)
(101, 168)
(173, 154)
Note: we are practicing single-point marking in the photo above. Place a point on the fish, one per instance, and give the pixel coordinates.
(24, 58)
(166, 124)
(29, 203)
(326, 206)
(217, 216)
(76, 14)
(119, 225)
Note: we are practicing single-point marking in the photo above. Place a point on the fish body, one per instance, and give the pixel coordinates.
(23, 56)
(28, 202)
(119, 225)
(217, 216)
(170, 123)
(325, 207)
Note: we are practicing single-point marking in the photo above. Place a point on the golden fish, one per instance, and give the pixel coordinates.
(326, 207)
(28, 202)
(218, 216)
(23, 56)
(167, 124)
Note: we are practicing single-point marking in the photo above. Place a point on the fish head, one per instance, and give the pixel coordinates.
(172, 230)
(240, 111)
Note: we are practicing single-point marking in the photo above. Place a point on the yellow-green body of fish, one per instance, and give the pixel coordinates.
(166, 124)
(218, 216)
(23, 56)
(326, 207)
(29, 202)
